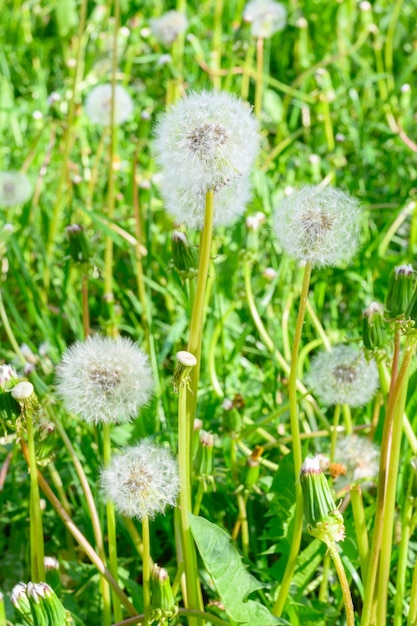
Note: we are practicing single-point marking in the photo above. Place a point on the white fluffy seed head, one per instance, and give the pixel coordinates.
(15, 188)
(98, 105)
(207, 141)
(167, 27)
(104, 379)
(266, 17)
(318, 225)
(343, 376)
(141, 481)
(360, 457)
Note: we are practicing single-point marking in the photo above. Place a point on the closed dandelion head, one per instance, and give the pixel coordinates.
(104, 379)
(266, 17)
(141, 481)
(98, 105)
(167, 27)
(15, 188)
(360, 458)
(343, 376)
(318, 225)
(207, 141)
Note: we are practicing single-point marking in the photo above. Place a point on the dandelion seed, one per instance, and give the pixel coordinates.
(266, 17)
(141, 481)
(343, 376)
(360, 457)
(104, 380)
(98, 105)
(167, 27)
(15, 188)
(318, 225)
(207, 141)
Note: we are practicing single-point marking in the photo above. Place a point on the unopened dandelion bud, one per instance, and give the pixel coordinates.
(162, 598)
(185, 363)
(324, 520)
(8, 376)
(253, 468)
(253, 223)
(374, 333)
(184, 257)
(399, 292)
(203, 463)
(269, 273)
(232, 420)
(46, 608)
(22, 391)
(51, 565)
(79, 248)
(21, 603)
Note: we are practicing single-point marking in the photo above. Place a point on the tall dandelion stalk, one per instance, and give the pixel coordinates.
(318, 227)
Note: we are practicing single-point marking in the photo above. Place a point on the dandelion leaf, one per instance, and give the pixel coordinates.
(230, 577)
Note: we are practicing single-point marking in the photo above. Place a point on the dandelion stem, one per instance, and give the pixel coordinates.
(111, 526)
(297, 452)
(347, 598)
(146, 570)
(360, 528)
(36, 527)
(394, 397)
(406, 530)
(333, 437)
(197, 316)
(193, 592)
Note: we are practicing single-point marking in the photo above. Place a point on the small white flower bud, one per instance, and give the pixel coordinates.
(22, 391)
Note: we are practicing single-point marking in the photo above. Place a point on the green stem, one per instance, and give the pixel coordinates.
(146, 570)
(197, 316)
(394, 397)
(259, 76)
(347, 417)
(391, 491)
(325, 580)
(111, 527)
(406, 530)
(333, 438)
(199, 497)
(412, 611)
(243, 519)
(247, 70)
(297, 451)
(193, 592)
(347, 598)
(36, 527)
(3, 620)
(9, 332)
(360, 528)
(216, 52)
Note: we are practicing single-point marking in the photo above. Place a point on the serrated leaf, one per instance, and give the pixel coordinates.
(230, 577)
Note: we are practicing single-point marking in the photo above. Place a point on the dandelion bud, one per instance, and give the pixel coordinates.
(141, 481)
(324, 520)
(15, 188)
(399, 292)
(269, 273)
(167, 27)
(163, 605)
(253, 223)
(374, 334)
(206, 141)
(7, 374)
(203, 463)
(104, 379)
(185, 258)
(98, 105)
(318, 225)
(232, 420)
(45, 606)
(343, 376)
(20, 601)
(79, 248)
(52, 575)
(266, 17)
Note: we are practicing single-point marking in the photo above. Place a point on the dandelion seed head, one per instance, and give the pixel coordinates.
(266, 17)
(360, 457)
(104, 379)
(141, 481)
(343, 376)
(318, 225)
(167, 27)
(15, 188)
(98, 105)
(207, 141)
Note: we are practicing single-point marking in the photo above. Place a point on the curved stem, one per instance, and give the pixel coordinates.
(347, 598)
(297, 452)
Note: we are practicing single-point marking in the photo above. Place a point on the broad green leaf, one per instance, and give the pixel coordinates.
(231, 579)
